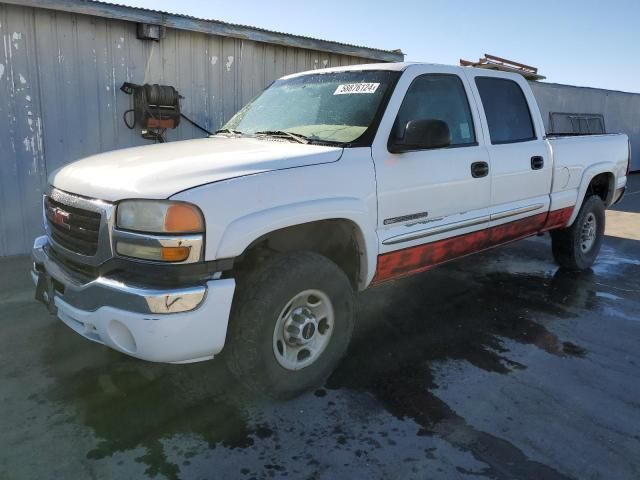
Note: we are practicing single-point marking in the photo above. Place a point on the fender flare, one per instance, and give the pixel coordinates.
(588, 175)
(243, 231)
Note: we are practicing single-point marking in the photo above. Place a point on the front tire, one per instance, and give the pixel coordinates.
(577, 247)
(290, 325)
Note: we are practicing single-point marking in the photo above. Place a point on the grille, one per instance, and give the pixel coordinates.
(73, 228)
(79, 270)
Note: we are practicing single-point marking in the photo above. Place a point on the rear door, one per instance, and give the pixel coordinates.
(521, 160)
(427, 196)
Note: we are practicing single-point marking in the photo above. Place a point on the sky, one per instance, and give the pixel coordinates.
(578, 42)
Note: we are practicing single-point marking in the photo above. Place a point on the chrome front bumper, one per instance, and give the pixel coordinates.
(163, 325)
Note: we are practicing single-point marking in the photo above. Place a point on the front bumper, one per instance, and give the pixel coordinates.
(162, 325)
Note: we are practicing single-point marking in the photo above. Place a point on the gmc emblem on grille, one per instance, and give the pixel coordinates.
(60, 218)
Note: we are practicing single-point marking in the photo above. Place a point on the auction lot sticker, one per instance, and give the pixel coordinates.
(348, 88)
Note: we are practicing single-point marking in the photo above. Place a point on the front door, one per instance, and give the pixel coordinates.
(428, 197)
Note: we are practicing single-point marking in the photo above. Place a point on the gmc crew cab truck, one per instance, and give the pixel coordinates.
(255, 239)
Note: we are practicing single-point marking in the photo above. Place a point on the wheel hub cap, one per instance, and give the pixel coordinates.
(300, 327)
(588, 233)
(303, 329)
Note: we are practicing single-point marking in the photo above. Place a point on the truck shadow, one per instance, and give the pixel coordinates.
(462, 312)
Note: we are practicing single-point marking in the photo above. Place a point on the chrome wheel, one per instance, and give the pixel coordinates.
(303, 329)
(588, 233)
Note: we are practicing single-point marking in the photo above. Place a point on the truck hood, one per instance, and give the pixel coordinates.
(161, 170)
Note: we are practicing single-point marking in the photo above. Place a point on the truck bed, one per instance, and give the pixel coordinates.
(575, 156)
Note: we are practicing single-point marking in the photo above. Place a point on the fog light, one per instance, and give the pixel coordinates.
(122, 336)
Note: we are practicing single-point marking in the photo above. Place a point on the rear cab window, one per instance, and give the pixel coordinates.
(507, 111)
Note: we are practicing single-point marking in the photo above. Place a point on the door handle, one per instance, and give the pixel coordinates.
(537, 162)
(479, 169)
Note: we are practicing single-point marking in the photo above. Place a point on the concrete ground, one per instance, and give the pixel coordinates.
(498, 366)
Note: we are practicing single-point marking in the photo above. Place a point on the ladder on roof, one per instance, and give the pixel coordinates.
(492, 62)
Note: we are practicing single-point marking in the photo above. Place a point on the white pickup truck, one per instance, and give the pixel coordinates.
(328, 182)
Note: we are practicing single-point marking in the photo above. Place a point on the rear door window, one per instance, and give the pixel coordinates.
(507, 111)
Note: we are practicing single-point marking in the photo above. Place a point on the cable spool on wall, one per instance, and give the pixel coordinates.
(155, 109)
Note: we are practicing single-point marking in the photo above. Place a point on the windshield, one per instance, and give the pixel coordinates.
(327, 107)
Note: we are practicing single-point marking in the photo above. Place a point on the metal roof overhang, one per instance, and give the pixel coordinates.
(212, 27)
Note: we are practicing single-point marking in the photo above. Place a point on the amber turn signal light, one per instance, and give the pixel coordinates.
(175, 254)
(183, 218)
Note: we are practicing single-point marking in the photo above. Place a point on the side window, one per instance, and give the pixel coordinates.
(438, 97)
(506, 109)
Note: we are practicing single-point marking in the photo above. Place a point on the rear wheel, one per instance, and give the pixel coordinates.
(577, 247)
(291, 324)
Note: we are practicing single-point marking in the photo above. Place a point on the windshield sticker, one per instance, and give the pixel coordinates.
(348, 88)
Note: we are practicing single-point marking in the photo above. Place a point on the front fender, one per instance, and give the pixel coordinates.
(243, 231)
(239, 211)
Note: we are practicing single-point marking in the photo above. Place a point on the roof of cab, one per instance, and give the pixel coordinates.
(400, 67)
(394, 66)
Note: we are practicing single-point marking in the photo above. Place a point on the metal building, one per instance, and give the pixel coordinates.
(570, 109)
(63, 62)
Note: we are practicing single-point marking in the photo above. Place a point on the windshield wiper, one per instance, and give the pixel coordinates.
(228, 130)
(283, 133)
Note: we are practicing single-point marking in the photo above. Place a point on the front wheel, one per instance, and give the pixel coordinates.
(291, 324)
(577, 247)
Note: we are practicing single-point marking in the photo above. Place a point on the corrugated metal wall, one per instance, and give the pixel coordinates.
(621, 110)
(60, 76)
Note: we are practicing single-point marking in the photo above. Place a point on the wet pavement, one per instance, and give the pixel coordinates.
(495, 366)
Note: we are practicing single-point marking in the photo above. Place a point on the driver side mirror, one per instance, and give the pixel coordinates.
(422, 135)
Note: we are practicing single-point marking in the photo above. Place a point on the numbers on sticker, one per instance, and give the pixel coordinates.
(349, 88)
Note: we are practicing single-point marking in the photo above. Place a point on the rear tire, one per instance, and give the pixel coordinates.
(577, 246)
(291, 323)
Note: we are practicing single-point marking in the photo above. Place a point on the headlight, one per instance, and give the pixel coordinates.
(159, 216)
(159, 230)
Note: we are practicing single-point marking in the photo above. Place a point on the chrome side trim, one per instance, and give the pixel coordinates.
(407, 237)
(92, 295)
(194, 242)
(516, 211)
(405, 218)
